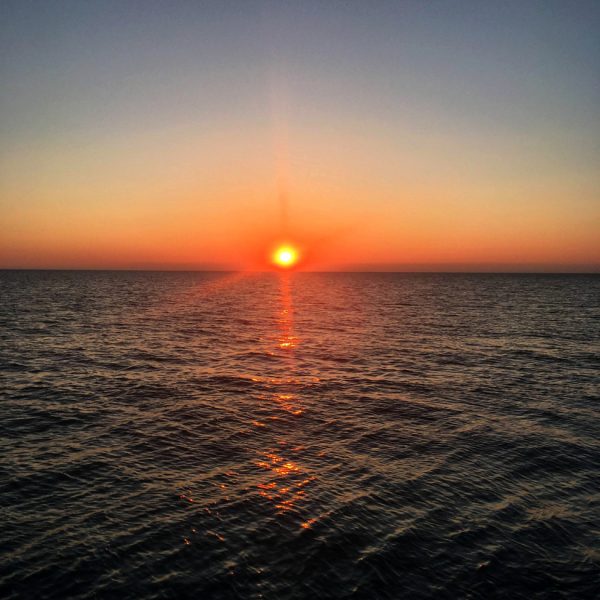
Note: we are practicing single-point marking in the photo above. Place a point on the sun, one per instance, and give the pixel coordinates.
(285, 256)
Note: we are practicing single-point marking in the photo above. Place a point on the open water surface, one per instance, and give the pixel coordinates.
(299, 436)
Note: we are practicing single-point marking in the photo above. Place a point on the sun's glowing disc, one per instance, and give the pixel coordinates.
(285, 256)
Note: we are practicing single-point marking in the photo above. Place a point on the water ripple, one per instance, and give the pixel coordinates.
(175, 435)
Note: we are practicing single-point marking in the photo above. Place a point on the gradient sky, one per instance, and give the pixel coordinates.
(398, 135)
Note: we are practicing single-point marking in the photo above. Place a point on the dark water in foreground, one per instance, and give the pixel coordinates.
(190, 435)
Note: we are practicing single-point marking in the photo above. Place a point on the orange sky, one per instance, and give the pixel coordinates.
(146, 200)
(383, 167)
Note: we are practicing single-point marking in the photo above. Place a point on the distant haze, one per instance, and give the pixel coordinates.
(378, 136)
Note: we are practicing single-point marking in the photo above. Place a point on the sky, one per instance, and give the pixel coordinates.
(380, 135)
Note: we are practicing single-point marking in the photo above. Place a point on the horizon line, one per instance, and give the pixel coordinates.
(595, 270)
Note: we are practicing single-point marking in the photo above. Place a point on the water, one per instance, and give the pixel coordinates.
(197, 435)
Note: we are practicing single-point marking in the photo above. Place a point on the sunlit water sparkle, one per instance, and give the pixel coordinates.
(291, 436)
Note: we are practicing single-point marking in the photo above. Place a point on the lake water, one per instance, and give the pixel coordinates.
(299, 436)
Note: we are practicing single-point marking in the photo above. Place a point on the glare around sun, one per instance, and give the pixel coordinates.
(285, 256)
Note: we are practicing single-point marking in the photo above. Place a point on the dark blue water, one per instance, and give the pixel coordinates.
(196, 435)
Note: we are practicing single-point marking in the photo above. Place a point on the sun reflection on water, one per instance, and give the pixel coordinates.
(287, 338)
(286, 478)
(277, 475)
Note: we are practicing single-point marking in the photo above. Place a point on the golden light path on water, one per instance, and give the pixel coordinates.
(287, 479)
(281, 480)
